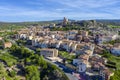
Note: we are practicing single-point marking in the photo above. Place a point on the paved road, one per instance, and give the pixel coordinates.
(67, 71)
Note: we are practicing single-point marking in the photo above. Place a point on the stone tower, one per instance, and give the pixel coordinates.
(65, 21)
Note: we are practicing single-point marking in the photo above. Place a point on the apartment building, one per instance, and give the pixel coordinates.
(49, 52)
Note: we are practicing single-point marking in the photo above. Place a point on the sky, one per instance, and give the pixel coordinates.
(45, 10)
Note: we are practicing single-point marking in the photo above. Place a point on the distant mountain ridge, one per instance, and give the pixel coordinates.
(110, 22)
(103, 21)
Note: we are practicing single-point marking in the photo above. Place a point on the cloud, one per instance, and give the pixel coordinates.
(86, 3)
(51, 9)
(4, 8)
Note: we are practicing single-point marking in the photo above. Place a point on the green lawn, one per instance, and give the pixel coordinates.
(110, 57)
(116, 60)
(113, 26)
(67, 56)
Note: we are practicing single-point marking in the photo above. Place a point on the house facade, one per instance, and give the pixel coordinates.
(7, 45)
(49, 52)
(116, 49)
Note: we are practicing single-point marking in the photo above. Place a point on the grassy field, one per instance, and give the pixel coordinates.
(115, 59)
(110, 57)
(112, 26)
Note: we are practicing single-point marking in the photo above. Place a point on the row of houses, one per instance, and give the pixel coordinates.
(98, 66)
(59, 35)
(76, 35)
(93, 65)
(82, 62)
(67, 45)
(99, 39)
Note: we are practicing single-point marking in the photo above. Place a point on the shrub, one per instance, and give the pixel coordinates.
(12, 73)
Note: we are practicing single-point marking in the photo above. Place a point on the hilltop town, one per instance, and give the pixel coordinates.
(81, 50)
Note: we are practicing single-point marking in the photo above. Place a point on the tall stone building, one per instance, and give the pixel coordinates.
(65, 21)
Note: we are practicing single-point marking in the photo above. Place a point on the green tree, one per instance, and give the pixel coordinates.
(38, 50)
(12, 73)
(2, 71)
(41, 62)
(32, 73)
(46, 78)
(116, 75)
(57, 74)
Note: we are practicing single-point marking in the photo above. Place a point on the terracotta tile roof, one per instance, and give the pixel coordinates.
(88, 52)
(84, 57)
(107, 72)
(80, 46)
(7, 44)
(117, 45)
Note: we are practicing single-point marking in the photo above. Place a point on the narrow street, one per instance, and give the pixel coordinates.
(67, 71)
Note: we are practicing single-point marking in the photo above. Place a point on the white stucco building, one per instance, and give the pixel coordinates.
(81, 67)
(80, 64)
(116, 49)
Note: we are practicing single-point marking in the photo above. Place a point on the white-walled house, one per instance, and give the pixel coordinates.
(76, 61)
(116, 49)
(89, 52)
(66, 45)
(73, 32)
(58, 43)
(52, 44)
(49, 52)
(52, 25)
(81, 48)
(44, 44)
(109, 38)
(71, 37)
(106, 74)
(81, 67)
(23, 36)
(73, 47)
(80, 64)
(30, 37)
(52, 36)
(35, 42)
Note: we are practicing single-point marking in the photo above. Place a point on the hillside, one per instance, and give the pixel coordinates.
(83, 23)
(110, 22)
